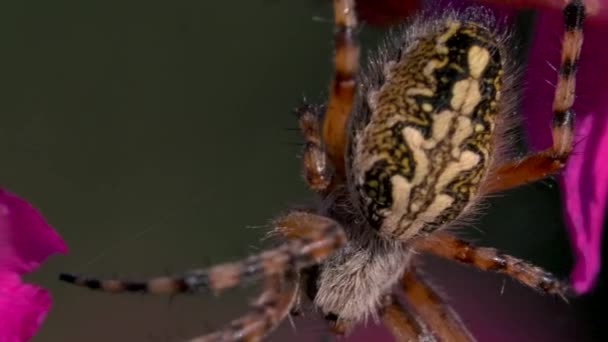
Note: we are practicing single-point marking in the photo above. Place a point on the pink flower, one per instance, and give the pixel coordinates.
(584, 181)
(26, 240)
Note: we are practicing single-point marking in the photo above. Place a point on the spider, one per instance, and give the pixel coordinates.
(399, 155)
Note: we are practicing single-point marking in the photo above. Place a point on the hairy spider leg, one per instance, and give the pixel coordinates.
(267, 312)
(317, 237)
(318, 170)
(547, 162)
(446, 245)
(444, 322)
(401, 322)
(343, 85)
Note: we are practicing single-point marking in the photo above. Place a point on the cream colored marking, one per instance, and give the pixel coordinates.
(478, 59)
(479, 128)
(415, 141)
(465, 96)
(439, 204)
(401, 190)
(432, 65)
(452, 27)
(419, 91)
(415, 206)
(467, 161)
(427, 107)
(464, 129)
(441, 126)
(458, 93)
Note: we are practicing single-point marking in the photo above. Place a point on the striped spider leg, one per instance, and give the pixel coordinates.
(325, 135)
(544, 163)
(314, 237)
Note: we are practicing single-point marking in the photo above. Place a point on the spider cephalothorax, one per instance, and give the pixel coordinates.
(400, 152)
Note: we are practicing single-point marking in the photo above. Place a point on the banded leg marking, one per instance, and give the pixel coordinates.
(342, 89)
(318, 170)
(314, 237)
(489, 259)
(268, 311)
(547, 162)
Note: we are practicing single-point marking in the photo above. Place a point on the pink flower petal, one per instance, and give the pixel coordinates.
(585, 201)
(585, 179)
(26, 239)
(23, 307)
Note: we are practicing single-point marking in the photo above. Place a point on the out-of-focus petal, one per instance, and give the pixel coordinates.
(26, 239)
(585, 179)
(585, 187)
(23, 307)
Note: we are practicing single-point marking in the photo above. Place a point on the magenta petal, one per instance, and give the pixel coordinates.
(22, 308)
(585, 201)
(584, 181)
(26, 239)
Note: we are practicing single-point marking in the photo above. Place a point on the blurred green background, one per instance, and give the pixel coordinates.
(156, 137)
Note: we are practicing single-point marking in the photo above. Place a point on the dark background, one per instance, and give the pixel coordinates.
(155, 137)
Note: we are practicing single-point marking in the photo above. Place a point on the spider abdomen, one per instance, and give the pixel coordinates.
(419, 160)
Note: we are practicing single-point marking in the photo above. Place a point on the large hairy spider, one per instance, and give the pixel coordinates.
(400, 154)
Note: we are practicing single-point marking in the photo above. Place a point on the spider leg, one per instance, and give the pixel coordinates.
(489, 259)
(401, 322)
(342, 89)
(547, 162)
(318, 171)
(314, 238)
(268, 311)
(441, 320)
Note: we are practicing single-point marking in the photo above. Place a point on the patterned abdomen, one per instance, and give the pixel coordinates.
(419, 160)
